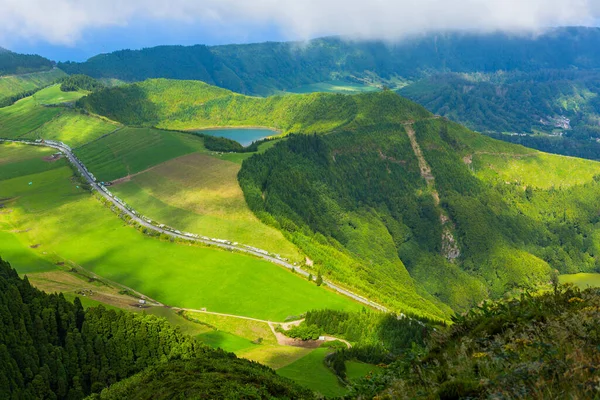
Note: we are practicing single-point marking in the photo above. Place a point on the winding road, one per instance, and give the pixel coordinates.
(134, 216)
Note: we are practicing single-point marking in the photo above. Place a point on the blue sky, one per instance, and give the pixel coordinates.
(140, 34)
(77, 29)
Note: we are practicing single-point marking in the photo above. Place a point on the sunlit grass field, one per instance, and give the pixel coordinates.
(14, 84)
(65, 222)
(538, 169)
(132, 150)
(582, 280)
(32, 112)
(200, 194)
(311, 372)
(73, 128)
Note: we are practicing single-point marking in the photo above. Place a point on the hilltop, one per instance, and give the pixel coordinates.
(413, 211)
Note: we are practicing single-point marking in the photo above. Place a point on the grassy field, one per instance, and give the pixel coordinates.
(334, 87)
(132, 150)
(539, 170)
(200, 194)
(73, 128)
(66, 223)
(311, 372)
(32, 112)
(582, 280)
(356, 370)
(15, 84)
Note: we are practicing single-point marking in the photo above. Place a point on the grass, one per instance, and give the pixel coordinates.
(69, 224)
(311, 372)
(582, 280)
(275, 356)
(74, 128)
(21, 256)
(539, 170)
(132, 150)
(16, 160)
(356, 370)
(334, 86)
(200, 194)
(15, 84)
(186, 327)
(32, 112)
(244, 328)
(226, 341)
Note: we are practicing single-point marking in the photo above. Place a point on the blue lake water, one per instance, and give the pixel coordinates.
(245, 137)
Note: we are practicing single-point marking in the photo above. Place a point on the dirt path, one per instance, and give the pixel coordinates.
(281, 338)
(450, 248)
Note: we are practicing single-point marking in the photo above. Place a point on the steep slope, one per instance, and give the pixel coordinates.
(535, 347)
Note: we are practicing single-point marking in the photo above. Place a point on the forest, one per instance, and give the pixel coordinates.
(53, 349)
(14, 63)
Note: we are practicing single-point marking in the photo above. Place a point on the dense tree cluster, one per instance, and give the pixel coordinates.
(53, 349)
(74, 83)
(14, 63)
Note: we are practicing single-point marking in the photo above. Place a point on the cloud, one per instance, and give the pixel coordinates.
(64, 21)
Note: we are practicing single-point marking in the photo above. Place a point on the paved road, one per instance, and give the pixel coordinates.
(134, 216)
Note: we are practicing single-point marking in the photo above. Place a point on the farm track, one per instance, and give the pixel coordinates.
(134, 216)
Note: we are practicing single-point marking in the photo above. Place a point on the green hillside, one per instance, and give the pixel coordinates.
(535, 347)
(171, 104)
(14, 87)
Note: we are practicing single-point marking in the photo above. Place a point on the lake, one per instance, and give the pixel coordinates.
(244, 136)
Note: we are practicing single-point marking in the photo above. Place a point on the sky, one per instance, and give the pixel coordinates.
(77, 29)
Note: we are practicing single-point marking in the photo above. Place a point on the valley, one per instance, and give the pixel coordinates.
(314, 222)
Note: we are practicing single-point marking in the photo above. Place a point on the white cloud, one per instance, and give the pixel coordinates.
(63, 21)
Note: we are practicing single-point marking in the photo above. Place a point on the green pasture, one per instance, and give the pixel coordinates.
(539, 170)
(68, 223)
(132, 150)
(226, 341)
(356, 370)
(32, 112)
(15, 84)
(582, 280)
(200, 194)
(334, 86)
(310, 371)
(74, 128)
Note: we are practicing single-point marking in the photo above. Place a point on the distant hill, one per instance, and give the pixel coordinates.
(267, 67)
(479, 218)
(14, 63)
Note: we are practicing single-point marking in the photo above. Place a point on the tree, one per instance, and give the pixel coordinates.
(310, 277)
(319, 279)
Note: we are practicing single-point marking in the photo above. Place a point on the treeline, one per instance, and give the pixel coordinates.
(74, 83)
(536, 346)
(51, 348)
(14, 63)
(583, 148)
